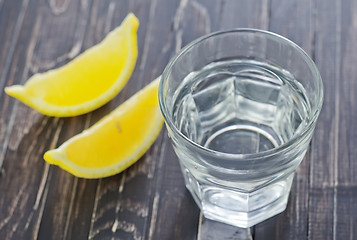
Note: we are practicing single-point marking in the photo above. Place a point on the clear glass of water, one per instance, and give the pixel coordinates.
(240, 107)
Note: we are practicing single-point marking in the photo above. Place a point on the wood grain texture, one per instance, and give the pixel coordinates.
(210, 230)
(284, 17)
(345, 214)
(324, 157)
(149, 199)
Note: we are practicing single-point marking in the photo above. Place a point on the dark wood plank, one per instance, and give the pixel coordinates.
(9, 37)
(23, 186)
(227, 15)
(23, 173)
(90, 224)
(324, 144)
(39, 56)
(9, 33)
(123, 202)
(293, 20)
(345, 214)
(245, 14)
(172, 214)
(213, 11)
(221, 231)
(79, 222)
(63, 25)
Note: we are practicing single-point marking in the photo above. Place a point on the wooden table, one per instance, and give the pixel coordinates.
(149, 200)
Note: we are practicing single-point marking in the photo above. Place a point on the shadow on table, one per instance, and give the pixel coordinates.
(266, 230)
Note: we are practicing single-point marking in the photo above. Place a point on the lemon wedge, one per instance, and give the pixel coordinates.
(88, 81)
(116, 141)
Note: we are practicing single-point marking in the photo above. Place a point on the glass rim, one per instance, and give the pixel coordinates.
(283, 147)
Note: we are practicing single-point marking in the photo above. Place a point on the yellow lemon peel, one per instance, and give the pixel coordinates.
(116, 141)
(87, 82)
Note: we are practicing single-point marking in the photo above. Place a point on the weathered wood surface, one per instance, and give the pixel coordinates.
(149, 200)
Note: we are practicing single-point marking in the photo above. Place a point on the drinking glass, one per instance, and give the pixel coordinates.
(240, 107)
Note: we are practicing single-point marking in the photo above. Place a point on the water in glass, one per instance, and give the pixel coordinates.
(238, 107)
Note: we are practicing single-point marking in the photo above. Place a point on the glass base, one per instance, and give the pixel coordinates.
(240, 209)
(244, 219)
